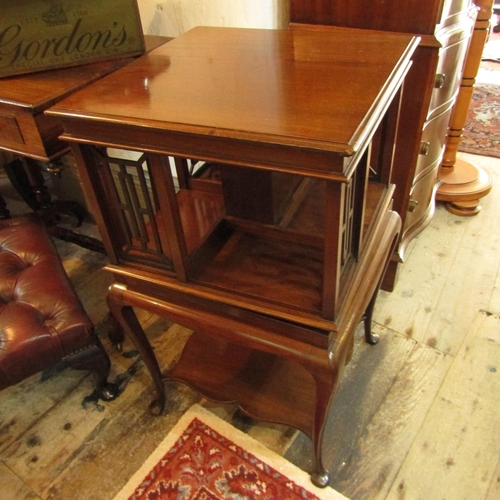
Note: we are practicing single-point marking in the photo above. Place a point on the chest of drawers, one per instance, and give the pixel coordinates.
(445, 27)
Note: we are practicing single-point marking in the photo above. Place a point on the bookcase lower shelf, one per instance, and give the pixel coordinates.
(264, 385)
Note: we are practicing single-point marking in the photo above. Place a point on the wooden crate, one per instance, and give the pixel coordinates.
(37, 35)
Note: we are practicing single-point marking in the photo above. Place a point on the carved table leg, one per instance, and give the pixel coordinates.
(4, 211)
(125, 315)
(326, 369)
(18, 177)
(24, 174)
(51, 209)
(319, 475)
(37, 183)
(81, 240)
(370, 337)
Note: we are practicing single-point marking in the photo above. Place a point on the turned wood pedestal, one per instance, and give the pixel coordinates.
(463, 183)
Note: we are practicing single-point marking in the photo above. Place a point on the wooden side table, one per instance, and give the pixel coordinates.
(275, 263)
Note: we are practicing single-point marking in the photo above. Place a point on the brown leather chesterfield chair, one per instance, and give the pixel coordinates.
(42, 321)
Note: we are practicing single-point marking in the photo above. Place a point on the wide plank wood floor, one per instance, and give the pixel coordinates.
(416, 416)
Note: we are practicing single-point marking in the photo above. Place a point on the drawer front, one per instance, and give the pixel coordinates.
(448, 76)
(26, 134)
(432, 142)
(452, 11)
(421, 205)
(9, 131)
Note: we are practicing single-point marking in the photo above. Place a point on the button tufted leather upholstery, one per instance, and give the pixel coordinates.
(42, 320)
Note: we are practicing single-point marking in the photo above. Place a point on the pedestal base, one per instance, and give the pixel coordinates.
(463, 187)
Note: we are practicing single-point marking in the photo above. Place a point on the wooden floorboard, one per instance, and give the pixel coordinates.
(13, 488)
(409, 309)
(494, 489)
(416, 416)
(456, 450)
(382, 446)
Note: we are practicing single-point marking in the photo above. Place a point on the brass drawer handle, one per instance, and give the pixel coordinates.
(439, 81)
(425, 148)
(412, 206)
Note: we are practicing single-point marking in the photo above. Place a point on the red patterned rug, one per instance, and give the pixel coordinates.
(205, 458)
(482, 130)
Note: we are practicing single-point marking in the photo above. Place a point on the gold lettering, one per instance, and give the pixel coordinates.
(15, 49)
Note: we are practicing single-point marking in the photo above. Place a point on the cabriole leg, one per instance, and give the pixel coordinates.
(370, 337)
(125, 315)
(325, 386)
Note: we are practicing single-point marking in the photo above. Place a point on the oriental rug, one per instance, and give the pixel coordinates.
(482, 130)
(205, 458)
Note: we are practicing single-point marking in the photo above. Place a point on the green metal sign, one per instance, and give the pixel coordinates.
(36, 35)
